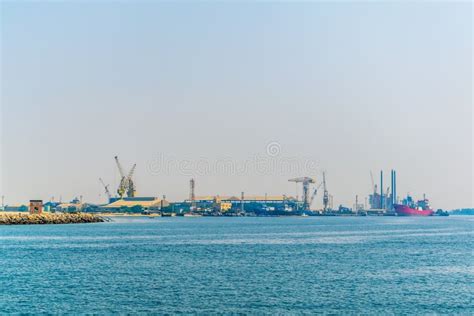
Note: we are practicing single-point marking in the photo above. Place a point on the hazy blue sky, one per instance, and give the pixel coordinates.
(353, 87)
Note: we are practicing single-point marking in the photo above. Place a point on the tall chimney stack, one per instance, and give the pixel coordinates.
(394, 187)
(381, 189)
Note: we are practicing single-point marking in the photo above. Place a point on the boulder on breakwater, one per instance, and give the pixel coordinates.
(48, 218)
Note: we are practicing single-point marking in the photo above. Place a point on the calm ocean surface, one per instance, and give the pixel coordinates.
(368, 265)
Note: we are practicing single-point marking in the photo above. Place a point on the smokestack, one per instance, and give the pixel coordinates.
(394, 187)
(381, 189)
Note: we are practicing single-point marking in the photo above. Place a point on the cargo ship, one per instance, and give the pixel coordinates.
(410, 208)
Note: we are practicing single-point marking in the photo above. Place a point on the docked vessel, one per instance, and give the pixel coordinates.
(411, 208)
(192, 215)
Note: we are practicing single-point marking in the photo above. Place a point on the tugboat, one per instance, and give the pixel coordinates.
(410, 208)
(440, 212)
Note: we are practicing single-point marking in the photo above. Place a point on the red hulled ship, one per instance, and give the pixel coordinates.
(410, 208)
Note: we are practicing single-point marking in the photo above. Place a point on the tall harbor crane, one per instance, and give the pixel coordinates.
(326, 194)
(192, 196)
(374, 186)
(314, 194)
(106, 187)
(131, 185)
(126, 186)
(306, 181)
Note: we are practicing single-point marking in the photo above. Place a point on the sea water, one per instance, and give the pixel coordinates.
(297, 265)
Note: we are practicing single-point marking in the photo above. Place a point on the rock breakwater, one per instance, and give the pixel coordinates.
(48, 218)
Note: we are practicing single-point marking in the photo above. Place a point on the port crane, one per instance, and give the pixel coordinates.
(306, 181)
(314, 194)
(106, 187)
(126, 186)
(326, 194)
(374, 186)
(192, 196)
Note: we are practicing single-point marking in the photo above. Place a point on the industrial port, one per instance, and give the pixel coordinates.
(124, 200)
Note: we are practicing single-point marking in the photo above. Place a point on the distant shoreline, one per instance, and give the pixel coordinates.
(25, 218)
